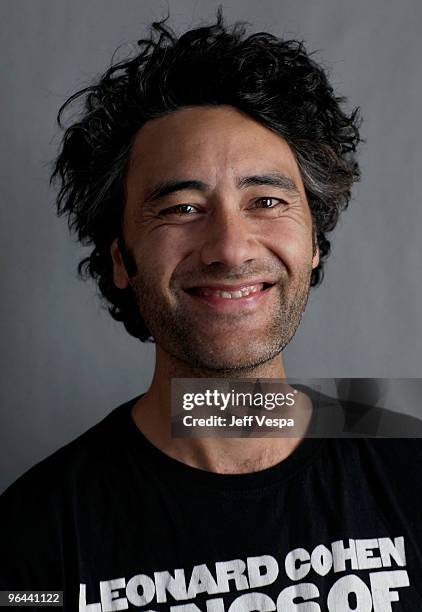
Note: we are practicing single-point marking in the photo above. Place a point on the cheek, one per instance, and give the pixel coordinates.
(292, 244)
(160, 254)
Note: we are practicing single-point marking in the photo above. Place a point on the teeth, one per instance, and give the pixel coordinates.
(232, 295)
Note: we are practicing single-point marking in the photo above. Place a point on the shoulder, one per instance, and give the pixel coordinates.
(346, 418)
(382, 473)
(397, 455)
(54, 479)
(385, 464)
(38, 512)
(393, 468)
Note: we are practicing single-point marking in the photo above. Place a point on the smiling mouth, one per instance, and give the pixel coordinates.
(243, 291)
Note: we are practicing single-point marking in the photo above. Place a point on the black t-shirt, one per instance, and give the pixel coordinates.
(117, 524)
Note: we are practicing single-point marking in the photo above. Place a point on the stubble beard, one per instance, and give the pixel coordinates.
(174, 330)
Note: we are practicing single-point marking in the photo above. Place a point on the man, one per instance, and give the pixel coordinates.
(206, 172)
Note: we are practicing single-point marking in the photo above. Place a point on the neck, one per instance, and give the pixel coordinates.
(151, 414)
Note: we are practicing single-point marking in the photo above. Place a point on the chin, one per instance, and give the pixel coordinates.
(229, 362)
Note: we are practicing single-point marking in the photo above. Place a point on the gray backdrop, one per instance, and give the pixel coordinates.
(65, 363)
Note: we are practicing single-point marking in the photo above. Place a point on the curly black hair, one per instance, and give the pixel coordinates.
(272, 80)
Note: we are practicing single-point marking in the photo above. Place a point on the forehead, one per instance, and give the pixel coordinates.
(213, 143)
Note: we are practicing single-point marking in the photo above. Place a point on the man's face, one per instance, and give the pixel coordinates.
(215, 202)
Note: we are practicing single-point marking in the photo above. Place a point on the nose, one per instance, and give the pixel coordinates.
(229, 238)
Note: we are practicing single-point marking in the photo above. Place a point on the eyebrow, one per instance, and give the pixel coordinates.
(166, 187)
(274, 179)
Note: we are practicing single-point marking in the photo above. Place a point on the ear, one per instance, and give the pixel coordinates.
(120, 276)
(315, 259)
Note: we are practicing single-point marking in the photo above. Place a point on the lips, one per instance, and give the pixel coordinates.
(229, 291)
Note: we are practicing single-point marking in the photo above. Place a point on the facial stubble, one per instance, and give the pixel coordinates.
(173, 326)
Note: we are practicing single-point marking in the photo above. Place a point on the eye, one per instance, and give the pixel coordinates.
(268, 203)
(181, 210)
